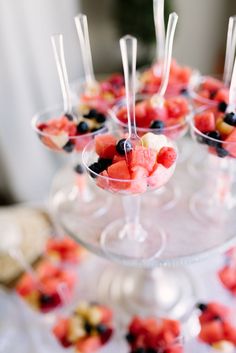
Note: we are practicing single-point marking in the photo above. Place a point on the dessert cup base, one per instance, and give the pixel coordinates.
(206, 208)
(135, 252)
(161, 292)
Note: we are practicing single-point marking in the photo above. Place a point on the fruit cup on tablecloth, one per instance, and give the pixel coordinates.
(100, 95)
(159, 115)
(181, 79)
(130, 165)
(216, 132)
(87, 329)
(50, 288)
(213, 92)
(64, 250)
(217, 328)
(154, 335)
(67, 130)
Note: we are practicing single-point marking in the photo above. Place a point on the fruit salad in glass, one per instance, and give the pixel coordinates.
(87, 329)
(49, 288)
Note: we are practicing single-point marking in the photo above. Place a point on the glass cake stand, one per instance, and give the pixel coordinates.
(173, 291)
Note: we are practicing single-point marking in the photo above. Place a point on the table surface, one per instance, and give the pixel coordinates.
(23, 331)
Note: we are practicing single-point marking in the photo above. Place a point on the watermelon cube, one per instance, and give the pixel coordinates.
(120, 172)
(205, 121)
(143, 157)
(139, 180)
(105, 146)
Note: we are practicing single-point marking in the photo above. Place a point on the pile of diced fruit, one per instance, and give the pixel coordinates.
(154, 336)
(64, 250)
(218, 132)
(213, 90)
(50, 289)
(108, 92)
(157, 116)
(216, 329)
(87, 329)
(179, 80)
(227, 274)
(122, 166)
(61, 134)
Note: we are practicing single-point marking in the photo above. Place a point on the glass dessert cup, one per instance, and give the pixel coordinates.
(182, 79)
(165, 197)
(129, 239)
(210, 92)
(74, 193)
(216, 200)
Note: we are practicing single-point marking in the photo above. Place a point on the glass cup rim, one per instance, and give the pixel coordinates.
(193, 127)
(208, 102)
(58, 107)
(86, 150)
(187, 117)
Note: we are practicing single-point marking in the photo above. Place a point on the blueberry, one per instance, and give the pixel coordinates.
(101, 328)
(69, 116)
(69, 146)
(100, 118)
(79, 169)
(230, 118)
(213, 135)
(95, 168)
(46, 299)
(202, 306)
(221, 152)
(130, 337)
(91, 114)
(157, 124)
(88, 328)
(123, 146)
(222, 106)
(105, 162)
(82, 127)
(213, 94)
(184, 92)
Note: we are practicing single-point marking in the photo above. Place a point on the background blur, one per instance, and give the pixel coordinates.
(28, 77)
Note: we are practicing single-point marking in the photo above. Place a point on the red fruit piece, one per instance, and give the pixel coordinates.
(139, 176)
(230, 143)
(143, 157)
(105, 145)
(222, 95)
(60, 330)
(212, 332)
(122, 115)
(177, 107)
(205, 122)
(141, 114)
(26, 285)
(121, 172)
(106, 314)
(88, 344)
(227, 276)
(167, 156)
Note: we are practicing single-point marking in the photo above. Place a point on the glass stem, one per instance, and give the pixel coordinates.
(220, 180)
(132, 228)
(81, 188)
